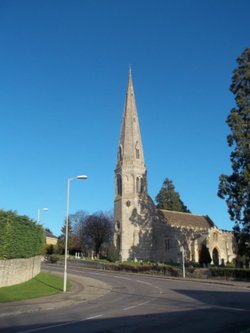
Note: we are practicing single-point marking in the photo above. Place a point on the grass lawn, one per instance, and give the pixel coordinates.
(44, 284)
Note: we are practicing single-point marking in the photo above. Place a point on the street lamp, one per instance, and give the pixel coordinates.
(81, 177)
(38, 213)
(183, 261)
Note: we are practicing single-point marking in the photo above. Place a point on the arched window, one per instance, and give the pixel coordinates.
(139, 185)
(117, 226)
(120, 153)
(119, 184)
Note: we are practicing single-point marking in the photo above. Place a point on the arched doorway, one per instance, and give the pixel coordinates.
(215, 257)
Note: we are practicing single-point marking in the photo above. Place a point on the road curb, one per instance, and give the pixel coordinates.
(84, 289)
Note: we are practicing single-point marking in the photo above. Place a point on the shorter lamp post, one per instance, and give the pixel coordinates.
(38, 213)
(82, 177)
(183, 261)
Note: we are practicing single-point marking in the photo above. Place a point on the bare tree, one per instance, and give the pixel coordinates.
(98, 231)
(78, 221)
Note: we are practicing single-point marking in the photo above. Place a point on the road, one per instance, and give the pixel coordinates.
(137, 303)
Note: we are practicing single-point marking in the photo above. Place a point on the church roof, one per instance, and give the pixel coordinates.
(187, 220)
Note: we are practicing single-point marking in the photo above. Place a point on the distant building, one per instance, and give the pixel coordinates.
(144, 232)
(50, 238)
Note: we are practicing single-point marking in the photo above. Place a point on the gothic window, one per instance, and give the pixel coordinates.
(138, 184)
(167, 244)
(117, 225)
(119, 184)
(120, 153)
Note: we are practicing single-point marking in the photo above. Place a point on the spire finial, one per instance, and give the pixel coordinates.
(130, 72)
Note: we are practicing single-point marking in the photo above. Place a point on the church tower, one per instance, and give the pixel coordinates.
(130, 179)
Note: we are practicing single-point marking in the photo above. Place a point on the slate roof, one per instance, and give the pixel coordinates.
(187, 220)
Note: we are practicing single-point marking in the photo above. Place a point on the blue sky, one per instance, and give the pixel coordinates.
(63, 77)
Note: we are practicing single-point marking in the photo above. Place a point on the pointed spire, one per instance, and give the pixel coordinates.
(130, 72)
(130, 147)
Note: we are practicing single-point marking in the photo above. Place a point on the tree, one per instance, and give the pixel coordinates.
(169, 199)
(20, 237)
(98, 231)
(235, 188)
(50, 249)
(71, 238)
(78, 221)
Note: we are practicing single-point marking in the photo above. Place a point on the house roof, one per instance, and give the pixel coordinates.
(187, 220)
(49, 234)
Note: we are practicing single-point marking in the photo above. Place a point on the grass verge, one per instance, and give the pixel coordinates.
(44, 284)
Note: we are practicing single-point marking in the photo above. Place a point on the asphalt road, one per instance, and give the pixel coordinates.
(112, 302)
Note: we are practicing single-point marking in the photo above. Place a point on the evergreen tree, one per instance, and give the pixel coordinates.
(71, 238)
(20, 237)
(235, 188)
(169, 199)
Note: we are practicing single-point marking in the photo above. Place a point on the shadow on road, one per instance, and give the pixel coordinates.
(234, 300)
(220, 312)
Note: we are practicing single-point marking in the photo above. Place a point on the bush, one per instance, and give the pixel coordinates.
(53, 258)
(144, 268)
(112, 253)
(231, 273)
(20, 237)
(50, 249)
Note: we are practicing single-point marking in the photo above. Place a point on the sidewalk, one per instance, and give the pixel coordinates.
(83, 289)
(240, 284)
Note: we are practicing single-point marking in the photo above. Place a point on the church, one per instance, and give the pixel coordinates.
(143, 232)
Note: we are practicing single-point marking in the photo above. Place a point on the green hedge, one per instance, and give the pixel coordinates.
(231, 273)
(20, 237)
(144, 268)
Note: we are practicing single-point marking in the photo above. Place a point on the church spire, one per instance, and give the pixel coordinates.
(130, 147)
(130, 178)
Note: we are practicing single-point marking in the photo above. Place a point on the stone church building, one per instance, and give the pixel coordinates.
(143, 232)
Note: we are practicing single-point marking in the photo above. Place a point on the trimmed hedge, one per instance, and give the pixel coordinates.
(20, 237)
(156, 269)
(231, 273)
(145, 268)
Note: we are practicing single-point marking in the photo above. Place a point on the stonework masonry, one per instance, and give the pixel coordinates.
(15, 271)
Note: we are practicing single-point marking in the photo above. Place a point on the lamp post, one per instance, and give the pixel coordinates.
(38, 213)
(183, 261)
(82, 177)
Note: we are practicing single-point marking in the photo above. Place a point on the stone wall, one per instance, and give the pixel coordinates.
(14, 271)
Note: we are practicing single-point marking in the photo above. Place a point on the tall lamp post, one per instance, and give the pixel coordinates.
(82, 177)
(38, 213)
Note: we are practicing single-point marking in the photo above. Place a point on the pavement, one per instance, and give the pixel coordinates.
(84, 289)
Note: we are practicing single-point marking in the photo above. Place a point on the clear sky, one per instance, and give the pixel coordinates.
(63, 77)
